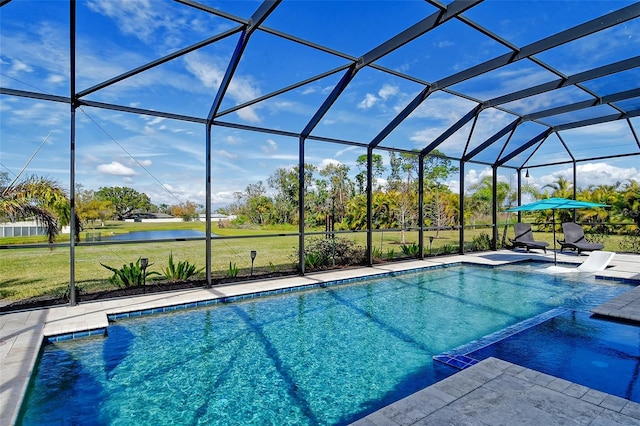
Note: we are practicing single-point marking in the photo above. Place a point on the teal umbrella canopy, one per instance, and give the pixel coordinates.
(556, 204)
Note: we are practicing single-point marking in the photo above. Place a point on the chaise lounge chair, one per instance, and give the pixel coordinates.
(524, 238)
(597, 261)
(574, 239)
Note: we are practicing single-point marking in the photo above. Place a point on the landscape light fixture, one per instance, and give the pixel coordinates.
(253, 257)
(430, 244)
(144, 262)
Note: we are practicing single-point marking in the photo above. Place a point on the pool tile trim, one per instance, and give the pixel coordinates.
(229, 299)
(459, 358)
(259, 294)
(76, 335)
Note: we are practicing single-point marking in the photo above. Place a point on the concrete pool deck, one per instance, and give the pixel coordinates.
(22, 334)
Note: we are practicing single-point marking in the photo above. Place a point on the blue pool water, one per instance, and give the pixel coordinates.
(325, 356)
(596, 353)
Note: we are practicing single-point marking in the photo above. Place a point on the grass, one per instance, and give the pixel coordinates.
(43, 271)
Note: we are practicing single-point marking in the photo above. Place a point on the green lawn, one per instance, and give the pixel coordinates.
(42, 271)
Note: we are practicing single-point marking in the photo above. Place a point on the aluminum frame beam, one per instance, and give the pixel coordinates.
(252, 25)
(451, 130)
(573, 80)
(511, 127)
(598, 24)
(524, 147)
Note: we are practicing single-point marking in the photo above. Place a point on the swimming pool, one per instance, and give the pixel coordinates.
(326, 356)
(593, 352)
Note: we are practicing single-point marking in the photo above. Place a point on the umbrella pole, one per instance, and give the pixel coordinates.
(553, 220)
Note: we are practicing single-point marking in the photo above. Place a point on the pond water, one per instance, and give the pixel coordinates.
(156, 235)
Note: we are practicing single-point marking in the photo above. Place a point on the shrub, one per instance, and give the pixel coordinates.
(129, 275)
(180, 272)
(631, 243)
(233, 270)
(65, 292)
(391, 253)
(412, 249)
(481, 242)
(448, 248)
(376, 253)
(326, 252)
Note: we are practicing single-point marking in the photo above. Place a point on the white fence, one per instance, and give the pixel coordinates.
(24, 229)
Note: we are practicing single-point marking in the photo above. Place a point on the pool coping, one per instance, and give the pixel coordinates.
(23, 333)
(499, 392)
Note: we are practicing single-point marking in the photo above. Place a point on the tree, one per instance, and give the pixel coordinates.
(561, 188)
(441, 209)
(376, 172)
(89, 209)
(340, 188)
(40, 199)
(285, 183)
(124, 200)
(436, 168)
(187, 211)
(384, 209)
(482, 197)
(630, 204)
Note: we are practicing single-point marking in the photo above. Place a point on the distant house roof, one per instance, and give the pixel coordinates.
(149, 216)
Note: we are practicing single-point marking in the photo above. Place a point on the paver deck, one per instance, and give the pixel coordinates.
(22, 333)
(497, 392)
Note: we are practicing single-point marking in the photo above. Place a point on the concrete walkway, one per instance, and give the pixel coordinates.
(22, 333)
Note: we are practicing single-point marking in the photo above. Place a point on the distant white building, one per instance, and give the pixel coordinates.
(216, 217)
(25, 228)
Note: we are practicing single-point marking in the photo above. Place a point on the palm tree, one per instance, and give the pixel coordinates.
(562, 188)
(37, 198)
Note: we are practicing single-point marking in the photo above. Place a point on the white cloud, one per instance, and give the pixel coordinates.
(141, 19)
(309, 90)
(117, 169)
(326, 161)
(152, 121)
(443, 44)
(233, 140)
(56, 79)
(227, 154)
(210, 72)
(592, 174)
(387, 91)
(368, 101)
(18, 67)
(346, 150)
(384, 93)
(270, 147)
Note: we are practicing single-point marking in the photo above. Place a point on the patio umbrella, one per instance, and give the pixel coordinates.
(554, 204)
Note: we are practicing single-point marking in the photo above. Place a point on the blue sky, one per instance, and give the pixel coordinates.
(165, 158)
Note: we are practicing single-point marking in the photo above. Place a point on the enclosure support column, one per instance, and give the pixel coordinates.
(575, 186)
(461, 208)
(519, 194)
(207, 208)
(301, 206)
(369, 205)
(494, 209)
(72, 159)
(421, 205)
